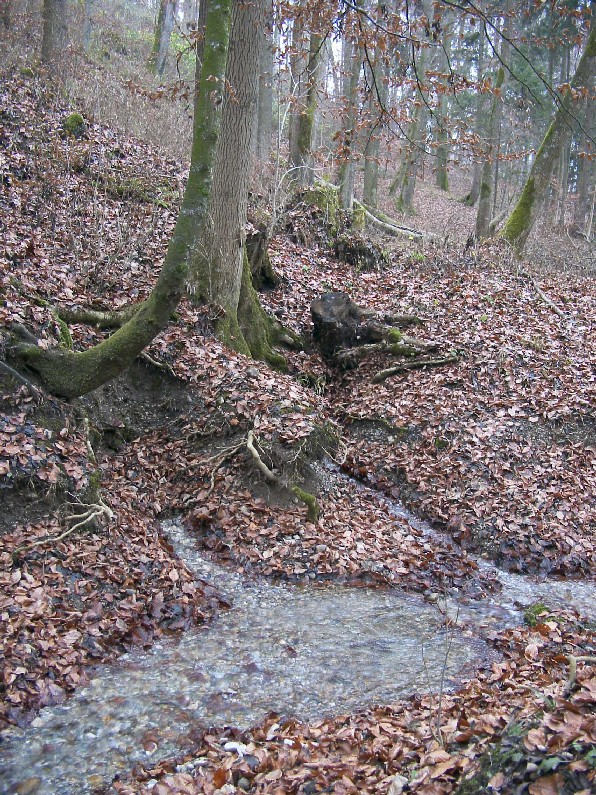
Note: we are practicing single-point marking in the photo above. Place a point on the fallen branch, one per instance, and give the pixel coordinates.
(154, 363)
(414, 365)
(92, 512)
(544, 297)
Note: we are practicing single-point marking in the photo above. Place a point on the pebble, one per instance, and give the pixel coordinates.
(244, 783)
(28, 786)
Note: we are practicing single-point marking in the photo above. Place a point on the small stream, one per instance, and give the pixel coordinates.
(300, 651)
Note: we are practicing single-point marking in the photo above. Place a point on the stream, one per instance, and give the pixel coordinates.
(300, 651)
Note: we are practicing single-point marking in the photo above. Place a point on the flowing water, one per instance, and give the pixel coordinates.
(298, 651)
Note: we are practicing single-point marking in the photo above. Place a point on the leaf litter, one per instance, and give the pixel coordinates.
(497, 451)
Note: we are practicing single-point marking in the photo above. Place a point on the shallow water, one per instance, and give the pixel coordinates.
(299, 651)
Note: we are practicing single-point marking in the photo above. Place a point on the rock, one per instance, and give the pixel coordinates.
(244, 783)
(397, 785)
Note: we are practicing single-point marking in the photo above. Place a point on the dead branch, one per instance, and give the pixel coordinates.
(80, 520)
(389, 226)
(543, 296)
(413, 365)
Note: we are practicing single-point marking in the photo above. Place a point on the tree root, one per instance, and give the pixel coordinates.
(573, 661)
(34, 391)
(408, 346)
(304, 496)
(413, 365)
(389, 226)
(80, 520)
(218, 460)
(98, 317)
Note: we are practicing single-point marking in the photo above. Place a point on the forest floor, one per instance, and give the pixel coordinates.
(495, 450)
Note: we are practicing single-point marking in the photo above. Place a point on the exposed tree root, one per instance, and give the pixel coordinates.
(408, 346)
(308, 499)
(413, 365)
(33, 390)
(218, 460)
(80, 520)
(389, 226)
(98, 317)
(573, 661)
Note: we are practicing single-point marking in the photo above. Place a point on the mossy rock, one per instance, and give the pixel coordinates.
(75, 125)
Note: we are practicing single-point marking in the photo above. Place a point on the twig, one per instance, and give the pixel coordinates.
(419, 363)
(93, 511)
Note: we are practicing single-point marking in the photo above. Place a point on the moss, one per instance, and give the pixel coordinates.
(26, 71)
(358, 217)
(520, 219)
(394, 335)
(74, 125)
(485, 190)
(312, 514)
(533, 612)
(326, 198)
(65, 335)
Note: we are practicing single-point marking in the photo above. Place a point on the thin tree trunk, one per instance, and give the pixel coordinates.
(303, 115)
(164, 26)
(586, 169)
(348, 167)
(88, 25)
(472, 196)
(523, 217)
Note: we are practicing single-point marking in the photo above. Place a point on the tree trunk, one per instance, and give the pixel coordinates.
(303, 115)
(523, 217)
(472, 196)
(88, 25)
(71, 373)
(222, 270)
(265, 102)
(164, 26)
(54, 40)
(349, 134)
(586, 169)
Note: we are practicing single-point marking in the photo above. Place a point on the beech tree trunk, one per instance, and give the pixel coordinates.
(265, 103)
(523, 217)
(303, 113)
(71, 373)
(55, 35)
(164, 26)
(349, 134)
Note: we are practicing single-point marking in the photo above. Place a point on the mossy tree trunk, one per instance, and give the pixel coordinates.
(164, 25)
(71, 373)
(222, 271)
(54, 40)
(586, 168)
(523, 216)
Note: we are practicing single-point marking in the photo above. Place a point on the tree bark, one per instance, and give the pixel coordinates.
(523, 217)
(71, 373)
(349, 135)
(265, 102)
(164, 26)
(54, 40)
(303, 115)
